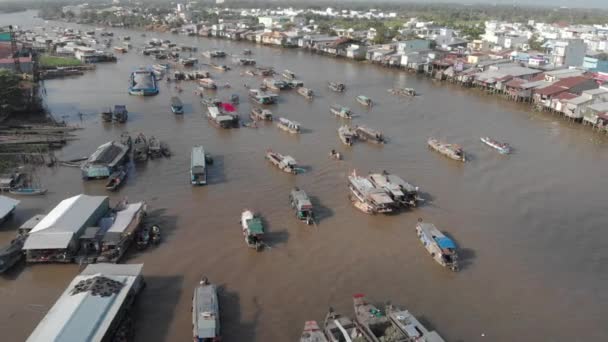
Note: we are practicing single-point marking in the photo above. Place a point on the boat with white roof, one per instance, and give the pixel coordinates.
(205, 313)
(367, 197)
(400, 191)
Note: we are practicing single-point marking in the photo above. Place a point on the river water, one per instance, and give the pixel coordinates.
(530, 226)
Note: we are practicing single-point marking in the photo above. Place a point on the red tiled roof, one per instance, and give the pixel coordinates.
(562, 85)
(566, 96)
(603, 116)
(516, 82)
(538, 77)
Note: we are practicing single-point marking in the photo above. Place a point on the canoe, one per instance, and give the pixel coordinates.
(27, 191)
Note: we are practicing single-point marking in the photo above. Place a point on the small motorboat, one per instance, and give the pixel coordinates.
(116, 179)
(364, 100)
(253, 229)
(503, 148)
(341, 111)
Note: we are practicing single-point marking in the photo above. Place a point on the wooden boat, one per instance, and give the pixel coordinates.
(371, 199)
(451, 151)
(205, 313)
(120, 113)
(376, 325)
(198, 166)
(244, 61)
(221, 119)
(340, 328)
(312, 333)
(140, 148)
(27, 191)
(370, 135)
(247, 52)
(188, 62)
(292, 127)
(306, 92)
(364, 100)
(120, 49)
(301, 204)
(207, 83)
(289, 74)
(275, 84)
(253, 229)
(260, 114)
(143, 238)
(400, 191)
(250, 72)
(154, 147)
(107, 115)
(285, 163)
(294, 84)
(403, 91)
(214, 54)
(258, 96)
(126, 140)
(347, 135)
(116, 179)
(439, 246)
(337, 87)
(410, 326)
(502, 148)
(341, 111)
(12, 253)
(220, 67)
(177, 107)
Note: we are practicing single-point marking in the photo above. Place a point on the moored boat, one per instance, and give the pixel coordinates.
(107, 158)
(347, 135)
(341, 111)
(27, 191)
(337, 87)
(439, 246)
(400, 191)
(275, 84)
(177, 107)
(120, 49)
(312, 333)
(287, 125)
(205, 313)
(220, 67)
(285, 163)
(12, 253)
(403, 91)
(214, 54)
(302, 205)
(154, 148)
(253, 230)
(107, 115)
(451, 151)
(306, 92)
(188, 62)
(140, 147)
(116, 179)
(260, 114)
(364, 100)
(503, 148)
(198, 166)
(370, 135)
(260, 97)
(207, 83)
(221, 119)
(371, 199)
(376, 325)
(340, 328)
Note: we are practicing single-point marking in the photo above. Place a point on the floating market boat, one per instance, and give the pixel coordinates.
(177, 107)
(312, 333)
(198, 166)
(289, 74)
(400, 191)
(288, 125)
(275, 84)
(341, 111)
(364, 100)
(27, 191)
(214, 54)
(284, 163)
(503, 148)
(337, 87)
(188, 62)
(253, 229)
(370, 135)
(205, 313)
(12, 253)
(439, 246)
(306, 92)
(260, 114)
(116, 179)
(449, 150)
(143, 82)
(105, 160)
(403, 91)
(347, 135)
(410, 326)
(376, 325)
(221, 119)
(107, 115)
(340, 328)
(120, 113)
(301, 203)
(371, 199)
(154, 148)
(207, 83)
(219, 67)
(260, 97)
(140, 148)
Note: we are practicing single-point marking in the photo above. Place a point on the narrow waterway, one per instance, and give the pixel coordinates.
(531, 226)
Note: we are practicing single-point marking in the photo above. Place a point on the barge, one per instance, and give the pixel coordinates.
(451, 151)
(143, 83)
(205, 313)
(285, 163)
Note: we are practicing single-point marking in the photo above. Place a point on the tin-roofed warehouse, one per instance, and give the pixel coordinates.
(93, 307)
(55, 238)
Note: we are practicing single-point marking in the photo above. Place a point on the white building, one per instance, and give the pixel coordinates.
(568, 52)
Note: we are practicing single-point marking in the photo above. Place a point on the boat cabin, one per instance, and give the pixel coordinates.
(198, 166)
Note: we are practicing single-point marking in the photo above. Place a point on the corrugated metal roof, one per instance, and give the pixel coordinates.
(7, 205)
(82, 315)
(599, 107)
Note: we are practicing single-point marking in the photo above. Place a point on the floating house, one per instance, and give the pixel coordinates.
(55, 237)
(94, 307)
(105, 160)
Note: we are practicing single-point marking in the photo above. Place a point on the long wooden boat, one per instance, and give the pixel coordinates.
(312, 333)
(347, 135)
(502, 148)
(285, 163)
(253, 230)
(403, 91)
(340, 328)
(306, 92)
(205, 313)
(451, 151)
(336, 87)
(370, 135)
(260, 114)
(376, 325)
(341, 111)
(27, 191)
(439, 246)
(364, 100)
(287, 125)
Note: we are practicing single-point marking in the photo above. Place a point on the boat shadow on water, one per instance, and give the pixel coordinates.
(160, 296)
(321, 212)
(276, 238)
(216, 174)
(233, 326)
(167, 225)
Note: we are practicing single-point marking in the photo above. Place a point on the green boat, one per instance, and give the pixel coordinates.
(302, 205)
(253, 230)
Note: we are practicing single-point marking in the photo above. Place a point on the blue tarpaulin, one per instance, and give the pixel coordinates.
(445, 242)
(5, 36)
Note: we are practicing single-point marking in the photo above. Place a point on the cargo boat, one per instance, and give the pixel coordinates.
(205, 313)
(285, 163)
(410, 326)
(221, 119)
(312, 333)
(140, 148)
(439, 246)
(12, 254)
(143, 82)
(275, 84)
(262, 98)
(105, 160)
(451, 151)
(121, 114)
(376, 325)
(253, 230)
(340, 328)
(367, 197)
(207, 83)
(503, 148)
(198, 166)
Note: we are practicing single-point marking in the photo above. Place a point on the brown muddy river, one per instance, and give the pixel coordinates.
(531, 226)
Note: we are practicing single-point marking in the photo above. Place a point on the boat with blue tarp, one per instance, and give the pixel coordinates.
(441, 247)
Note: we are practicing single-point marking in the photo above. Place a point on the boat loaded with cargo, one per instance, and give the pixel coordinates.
(143, 82)
(451, 151)
(400, 191)
(439, 246)
(339, 328)
(284, 163)
(377, 326)
(198, 166)
(301, 204)
(503, 148)
(287, 125)
(366, 197)
(312, 333)
(205, 313)
(403, 91)
(253, 230)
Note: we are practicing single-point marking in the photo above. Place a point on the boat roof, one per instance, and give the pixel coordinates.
(382, 181)
(57, 229)
(7, 205)
(207, 307)
(412, 327)
(143, 79)
(198, 155)
(125, 217)
(255, 226)
(108, 153)
(84, 314)
(431, 231)
(301, 197)
(289, 160)
(445, 242)
(399, 181)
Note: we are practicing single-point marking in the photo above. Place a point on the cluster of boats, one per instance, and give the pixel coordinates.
(349, 135)
(455, 152)
(381, 192)
(119, 114)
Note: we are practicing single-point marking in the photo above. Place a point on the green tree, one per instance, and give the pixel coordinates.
(535, 43)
